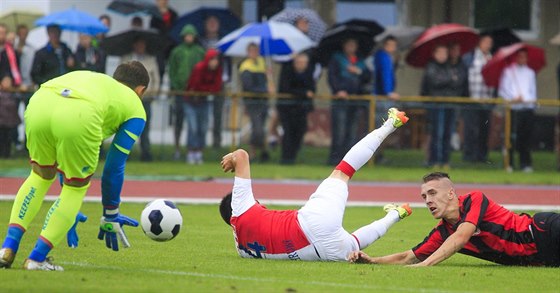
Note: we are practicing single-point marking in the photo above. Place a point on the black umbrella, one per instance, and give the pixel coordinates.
(121, 43)
(128, 7)
(364, 31)
(502, 37)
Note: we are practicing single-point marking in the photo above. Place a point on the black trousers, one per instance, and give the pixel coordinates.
(294, 123)
(5, 141)
(145, 136)
(522, 127)
(218, 109)
(546, 231)
(476, 127)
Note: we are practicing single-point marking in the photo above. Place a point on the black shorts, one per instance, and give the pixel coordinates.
(546, 231)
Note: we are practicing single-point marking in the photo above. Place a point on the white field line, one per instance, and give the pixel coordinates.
(253, 279)
(282, 202)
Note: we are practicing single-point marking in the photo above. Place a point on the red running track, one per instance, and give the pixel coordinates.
(301, 190)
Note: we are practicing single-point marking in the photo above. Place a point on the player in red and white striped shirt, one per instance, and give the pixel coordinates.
(473, 224)
(314, 232)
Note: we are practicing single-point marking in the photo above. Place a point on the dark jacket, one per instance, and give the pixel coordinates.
(157, 22)
(9, 116)
(253, 76)
(438, 81)
(96, 62)
(342, 80)
(460, 76)
(46, 64)
(297, 84)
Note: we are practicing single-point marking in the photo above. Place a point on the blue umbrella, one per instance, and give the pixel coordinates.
(278, 39)
(74, 20)
(228, 21)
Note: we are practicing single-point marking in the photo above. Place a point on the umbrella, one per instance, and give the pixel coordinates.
(492, 71)
(502, 37)
(274, 39)
(421, 51)
(405, 35)
(361, 30)
(121, 43)
(317, 26)
(14, 18)
(228, 21)
(74, 20)
(555, 40)
(129, 7)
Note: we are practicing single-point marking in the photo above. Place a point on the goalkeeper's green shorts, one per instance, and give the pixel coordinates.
(63, 132)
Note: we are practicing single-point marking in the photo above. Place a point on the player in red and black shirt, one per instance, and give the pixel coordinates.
(475, 225)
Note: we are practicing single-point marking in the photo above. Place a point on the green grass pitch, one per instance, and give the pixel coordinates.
(203, 259)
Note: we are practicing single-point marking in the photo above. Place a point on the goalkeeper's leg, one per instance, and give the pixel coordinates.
(59, 220)
(27, 203)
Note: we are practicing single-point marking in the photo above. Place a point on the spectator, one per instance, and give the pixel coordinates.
(438, 82)
(385, 82)
(137, 23)
(182, 60)
(348, 75)
(477, 118)
(8, 57)
(88, 57)
(163, 23)
(296, 78)
(53, 60)
(519, 86)
(9, 117)
(209, 39)
(25, 52)
(254, 80)
(150, 63)
(206, 77)
(106, 20)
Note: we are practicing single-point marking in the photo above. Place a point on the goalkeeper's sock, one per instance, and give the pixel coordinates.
(29, 199)
(13, 237)
(370, 233)
(62, 214)
(362, 151)
(41, 250)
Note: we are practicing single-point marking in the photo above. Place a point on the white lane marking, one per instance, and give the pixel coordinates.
(261, 280)
(287, 202)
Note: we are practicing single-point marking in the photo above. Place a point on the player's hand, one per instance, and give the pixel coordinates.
(111, 227)
(72, 235)
(359, 257)
(228, 163)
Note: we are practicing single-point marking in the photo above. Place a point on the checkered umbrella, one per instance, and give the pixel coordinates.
(317, 26)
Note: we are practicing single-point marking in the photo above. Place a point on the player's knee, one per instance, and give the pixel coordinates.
(76, 182)
(47, 173)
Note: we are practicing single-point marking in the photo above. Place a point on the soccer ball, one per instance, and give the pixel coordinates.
(161, 220)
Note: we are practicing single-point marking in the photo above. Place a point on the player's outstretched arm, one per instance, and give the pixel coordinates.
(237, 162)
(451, 245)
(405, 257)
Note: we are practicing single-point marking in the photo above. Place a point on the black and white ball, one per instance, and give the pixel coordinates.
(161, 220)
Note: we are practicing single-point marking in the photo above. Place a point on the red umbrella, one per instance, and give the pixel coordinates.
(492, 71)
(421, 51)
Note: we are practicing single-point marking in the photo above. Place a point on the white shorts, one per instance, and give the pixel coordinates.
(321, 221)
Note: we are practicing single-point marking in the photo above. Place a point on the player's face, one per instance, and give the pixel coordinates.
(438, 195)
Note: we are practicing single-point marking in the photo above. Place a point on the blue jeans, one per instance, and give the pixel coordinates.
(442, 122)
(344, 124)
(197, 124)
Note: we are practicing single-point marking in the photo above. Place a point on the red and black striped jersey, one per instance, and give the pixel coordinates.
(501, 235)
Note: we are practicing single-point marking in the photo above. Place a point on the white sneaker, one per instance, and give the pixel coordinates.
(47, 265)
(198, 158)
(509, 169)
(528, 170)
(191, 158)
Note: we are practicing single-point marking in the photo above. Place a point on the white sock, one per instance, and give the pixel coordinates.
(362, 151)
(370, 233)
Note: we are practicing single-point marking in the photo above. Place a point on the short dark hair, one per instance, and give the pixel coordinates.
(105, 16)
(225, 208)
(137, 21)
(55, 27)
(389, 38)
(435, 176)
(132, 74)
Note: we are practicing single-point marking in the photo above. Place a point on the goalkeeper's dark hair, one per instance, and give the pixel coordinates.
(225, 208)
(132, 74)
(435, 176)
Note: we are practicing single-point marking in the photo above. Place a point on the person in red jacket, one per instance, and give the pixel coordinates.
(206, 77)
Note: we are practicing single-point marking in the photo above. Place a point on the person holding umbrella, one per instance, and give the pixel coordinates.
(53, 60)
(518, 85)
(140, 54)
(182, 60)
(88, 57)
(348, 75)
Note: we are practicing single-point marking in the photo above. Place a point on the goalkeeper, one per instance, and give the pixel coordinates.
(65, 123)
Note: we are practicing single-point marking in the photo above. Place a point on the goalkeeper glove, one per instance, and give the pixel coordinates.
(111, 227)
(72, 235)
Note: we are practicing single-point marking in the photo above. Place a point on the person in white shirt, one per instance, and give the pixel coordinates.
(518, 85)
(150, 62)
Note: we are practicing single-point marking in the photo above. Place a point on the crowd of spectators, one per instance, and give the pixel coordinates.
(194, 65)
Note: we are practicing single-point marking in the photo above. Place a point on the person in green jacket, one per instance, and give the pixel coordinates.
(182, 60)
